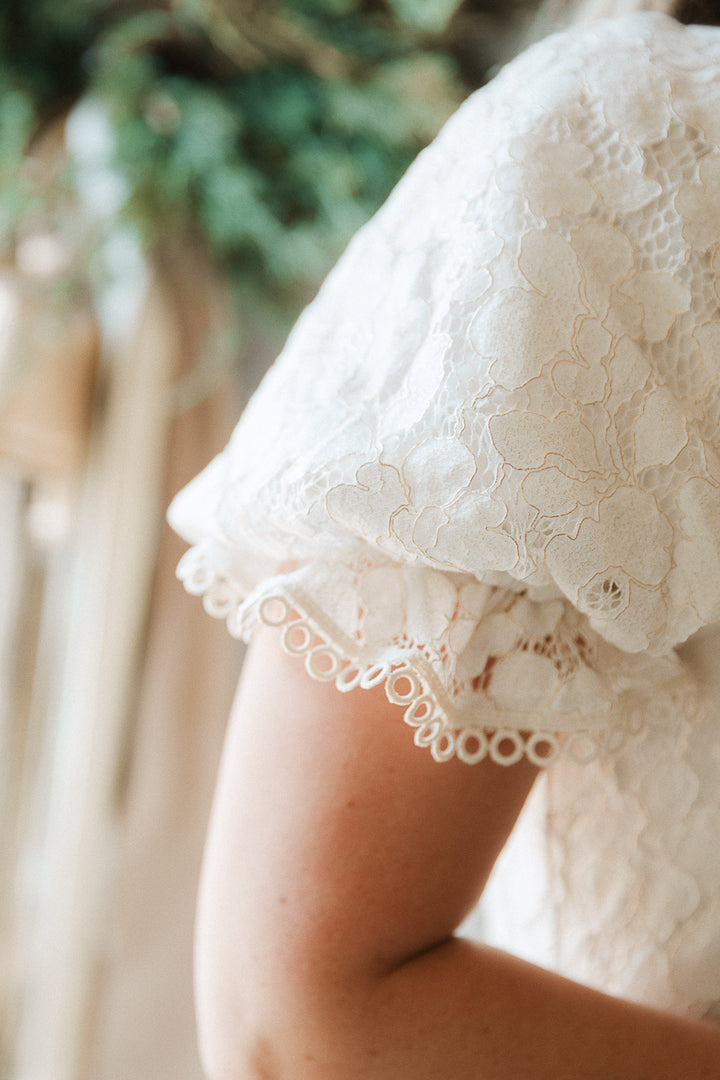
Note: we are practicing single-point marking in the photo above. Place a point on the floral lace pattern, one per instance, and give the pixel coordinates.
(442, 643)
(491, 442)
(636, 871)
(626, 856)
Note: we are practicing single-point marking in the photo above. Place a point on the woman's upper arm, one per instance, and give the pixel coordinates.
(334, 835)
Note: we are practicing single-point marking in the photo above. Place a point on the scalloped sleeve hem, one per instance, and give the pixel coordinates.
(479, 671)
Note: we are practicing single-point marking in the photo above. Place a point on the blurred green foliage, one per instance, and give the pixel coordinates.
(269, 129)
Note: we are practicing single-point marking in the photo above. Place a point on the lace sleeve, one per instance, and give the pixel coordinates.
(490, 446)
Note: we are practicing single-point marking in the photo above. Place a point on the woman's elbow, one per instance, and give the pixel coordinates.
(283, 1011)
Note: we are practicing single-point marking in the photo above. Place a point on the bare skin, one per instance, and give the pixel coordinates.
(340, 861)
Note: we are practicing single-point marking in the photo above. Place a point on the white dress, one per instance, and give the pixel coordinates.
(484, 472)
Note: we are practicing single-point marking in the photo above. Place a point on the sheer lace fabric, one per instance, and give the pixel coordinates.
(490, 445)
(613, 877)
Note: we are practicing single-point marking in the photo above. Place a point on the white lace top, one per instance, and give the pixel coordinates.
(484, 472)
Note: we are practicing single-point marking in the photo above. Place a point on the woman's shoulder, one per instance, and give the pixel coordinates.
(641, 71)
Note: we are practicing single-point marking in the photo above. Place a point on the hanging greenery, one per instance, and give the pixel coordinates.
(271, 130)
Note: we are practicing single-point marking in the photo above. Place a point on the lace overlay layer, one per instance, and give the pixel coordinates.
(490, 445)
(475, 666)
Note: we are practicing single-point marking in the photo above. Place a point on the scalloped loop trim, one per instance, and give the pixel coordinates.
(325, 661)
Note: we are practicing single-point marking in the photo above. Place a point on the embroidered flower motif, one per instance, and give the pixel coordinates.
(555, 494)
(435, 470)
(549, 264)
(695, 578)
(473, 538)
(625, 191)
(699, 206)
(661, 298)
(579, 383)
(641, 117)
(707, 337)
(611, 541)
(606, 256)
(660, 431)
(699, 111)
(518, 332)
(377, 493)
(472, 253)
(547, 174)
(629, 372)
(606, 595)
(528, 441)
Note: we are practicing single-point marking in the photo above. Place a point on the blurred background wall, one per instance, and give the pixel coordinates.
(175, 179)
